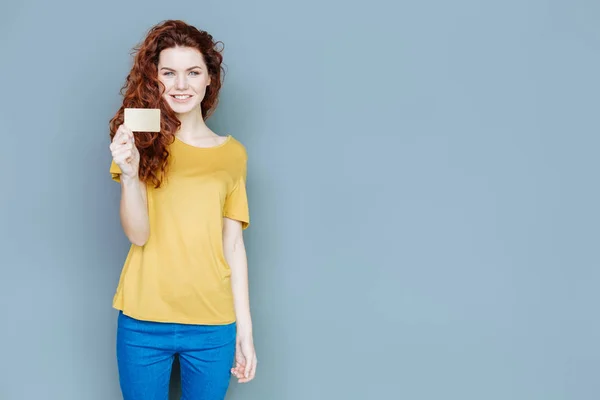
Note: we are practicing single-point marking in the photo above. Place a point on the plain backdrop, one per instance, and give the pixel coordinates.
(423, 184)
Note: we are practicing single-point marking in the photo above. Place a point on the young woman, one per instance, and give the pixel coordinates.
(184, 285)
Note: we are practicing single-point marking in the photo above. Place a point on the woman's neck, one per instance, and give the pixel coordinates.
(193, 126)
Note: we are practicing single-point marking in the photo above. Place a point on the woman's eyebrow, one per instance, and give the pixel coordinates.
(189, 69)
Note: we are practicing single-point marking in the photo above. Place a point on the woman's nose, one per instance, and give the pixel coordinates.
(181, 82)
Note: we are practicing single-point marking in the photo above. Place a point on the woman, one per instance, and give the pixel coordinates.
(184, 285)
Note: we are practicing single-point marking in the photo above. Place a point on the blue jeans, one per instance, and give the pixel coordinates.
(146, 350)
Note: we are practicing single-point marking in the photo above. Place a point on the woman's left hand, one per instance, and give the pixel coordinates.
(245, 359)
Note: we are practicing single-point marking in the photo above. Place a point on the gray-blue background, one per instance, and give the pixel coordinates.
(423, 180)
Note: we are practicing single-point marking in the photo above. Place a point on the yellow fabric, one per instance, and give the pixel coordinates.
(181, 274)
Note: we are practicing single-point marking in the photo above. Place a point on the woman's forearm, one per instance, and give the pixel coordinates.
(134, 210)
(235, 253)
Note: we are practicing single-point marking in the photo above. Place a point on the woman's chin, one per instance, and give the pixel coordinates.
(182, 108)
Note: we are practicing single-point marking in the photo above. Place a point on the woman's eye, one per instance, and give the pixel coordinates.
(169, 73)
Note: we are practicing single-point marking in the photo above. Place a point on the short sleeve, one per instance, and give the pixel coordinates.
(115, 172)
(236, 203)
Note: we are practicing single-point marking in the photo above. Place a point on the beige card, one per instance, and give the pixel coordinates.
(143, 119)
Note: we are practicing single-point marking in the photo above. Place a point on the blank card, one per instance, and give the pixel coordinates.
(143, 119)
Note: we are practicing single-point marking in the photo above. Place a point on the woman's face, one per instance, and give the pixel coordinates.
(183, 72)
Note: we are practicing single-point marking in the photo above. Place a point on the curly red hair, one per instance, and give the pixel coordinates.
(143, 89)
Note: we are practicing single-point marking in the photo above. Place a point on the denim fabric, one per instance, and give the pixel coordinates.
(146, 350)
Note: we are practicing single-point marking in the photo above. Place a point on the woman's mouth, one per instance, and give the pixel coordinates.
(181, 98)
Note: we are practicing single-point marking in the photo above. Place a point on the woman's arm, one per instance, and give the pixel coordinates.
(235, 254)
(134, 196)
(134, 210)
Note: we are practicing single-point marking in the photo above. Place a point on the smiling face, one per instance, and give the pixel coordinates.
(183, 72)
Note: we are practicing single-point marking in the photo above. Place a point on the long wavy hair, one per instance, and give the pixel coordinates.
(143, 89)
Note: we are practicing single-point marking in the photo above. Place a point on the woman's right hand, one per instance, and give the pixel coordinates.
(125, 153)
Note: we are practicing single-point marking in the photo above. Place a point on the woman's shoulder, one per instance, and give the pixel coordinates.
(237, 146)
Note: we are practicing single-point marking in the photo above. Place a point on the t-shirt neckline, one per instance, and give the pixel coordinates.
(227, 140)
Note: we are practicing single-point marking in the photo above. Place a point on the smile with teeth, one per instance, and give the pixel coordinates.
(181, 97)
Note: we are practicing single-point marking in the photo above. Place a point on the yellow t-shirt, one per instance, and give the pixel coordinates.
(181, 274)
